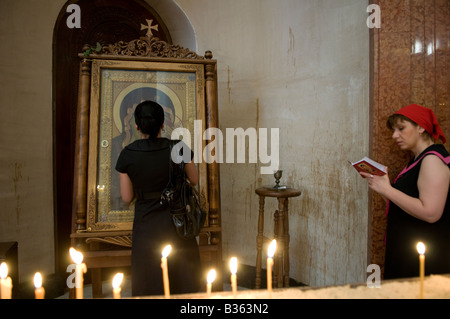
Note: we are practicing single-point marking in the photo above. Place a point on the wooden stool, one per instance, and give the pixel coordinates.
(281, 234)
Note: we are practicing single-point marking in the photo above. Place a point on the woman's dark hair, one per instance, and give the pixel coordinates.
(149, 117)
(395, 118)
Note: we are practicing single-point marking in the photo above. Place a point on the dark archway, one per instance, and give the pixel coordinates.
(104, 22)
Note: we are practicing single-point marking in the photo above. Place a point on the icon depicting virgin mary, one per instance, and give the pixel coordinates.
(124, 128)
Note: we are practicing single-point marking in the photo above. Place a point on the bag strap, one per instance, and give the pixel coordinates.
(171, 144)
(172, 178)
(172, 164)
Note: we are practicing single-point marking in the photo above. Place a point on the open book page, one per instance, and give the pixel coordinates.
(369, 166)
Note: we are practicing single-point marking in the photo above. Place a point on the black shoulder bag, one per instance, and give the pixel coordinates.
(182, 198)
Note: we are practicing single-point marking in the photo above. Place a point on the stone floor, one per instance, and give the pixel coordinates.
(56, 287)
(125, 292)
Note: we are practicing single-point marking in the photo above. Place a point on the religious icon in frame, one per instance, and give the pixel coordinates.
(117, 87)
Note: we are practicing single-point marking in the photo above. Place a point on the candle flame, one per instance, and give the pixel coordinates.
(3, 270)
(117, 280)
(37, 280)
(233, 265)
(166, 251)
(421, 248)
(77, 257)
(211, 276)
(272, 248)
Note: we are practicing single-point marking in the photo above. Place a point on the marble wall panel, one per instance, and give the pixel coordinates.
(429, 56)
(395, 15)
(411, 57)
(418, 49)
(442, 36)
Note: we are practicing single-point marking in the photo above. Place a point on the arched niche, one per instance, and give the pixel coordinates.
(101, 21)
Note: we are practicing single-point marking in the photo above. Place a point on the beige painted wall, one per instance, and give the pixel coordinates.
(301, 66)
(298, 65)
(26, 187)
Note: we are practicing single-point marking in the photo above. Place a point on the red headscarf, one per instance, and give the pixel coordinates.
(425, 117)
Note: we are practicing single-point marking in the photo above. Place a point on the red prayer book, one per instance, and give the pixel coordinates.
(368, 165)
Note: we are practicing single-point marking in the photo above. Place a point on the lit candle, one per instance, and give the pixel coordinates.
(233, 269)
(421, 250)
(210, 279)
(270, 253)
(39, 291)
(80, 268)
(166, 251)
(5, 282)
(117, 281)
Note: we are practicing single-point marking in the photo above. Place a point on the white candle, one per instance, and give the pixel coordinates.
(233, 269)
(5, 282)
(39, 291)
(270, 254)
(166, 251)
(80, 268)
(210, 279)
(421, 250)
(117, 281)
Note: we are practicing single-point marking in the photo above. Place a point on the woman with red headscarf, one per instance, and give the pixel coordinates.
(418, 204)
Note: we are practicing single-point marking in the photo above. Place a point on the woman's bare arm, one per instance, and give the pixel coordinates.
(126, 188)
(433, 185)
(191, 172)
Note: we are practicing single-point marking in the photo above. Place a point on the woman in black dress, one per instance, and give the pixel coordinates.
(143, 168)
(418, 199)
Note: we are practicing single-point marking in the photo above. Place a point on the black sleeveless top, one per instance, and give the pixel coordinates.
(405, 231)
(146, 162)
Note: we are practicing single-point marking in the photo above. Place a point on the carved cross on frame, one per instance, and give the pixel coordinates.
(149, 27)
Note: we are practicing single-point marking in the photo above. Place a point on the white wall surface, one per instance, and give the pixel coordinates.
(301, 66)
(26, 160)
